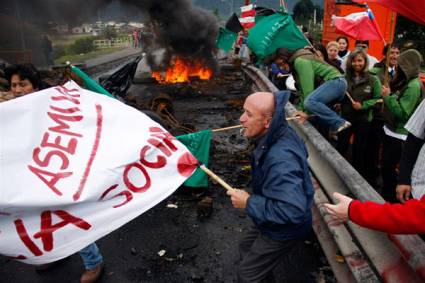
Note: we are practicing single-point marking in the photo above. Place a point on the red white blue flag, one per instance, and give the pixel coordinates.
(360, 26)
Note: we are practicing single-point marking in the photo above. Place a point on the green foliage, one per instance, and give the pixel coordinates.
(82, 45)
(109, 33)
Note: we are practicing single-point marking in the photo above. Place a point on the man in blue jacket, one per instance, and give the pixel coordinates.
(280, 205)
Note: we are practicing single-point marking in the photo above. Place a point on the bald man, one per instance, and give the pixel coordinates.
(282, 193)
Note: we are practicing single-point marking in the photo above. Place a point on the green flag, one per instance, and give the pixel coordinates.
(89, 83)
(199, 145)
(225, 39)
(273, 32)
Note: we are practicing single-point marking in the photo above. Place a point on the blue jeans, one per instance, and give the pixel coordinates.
(329, 92)
(91, 256)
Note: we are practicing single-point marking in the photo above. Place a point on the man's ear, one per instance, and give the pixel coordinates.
(268, 122)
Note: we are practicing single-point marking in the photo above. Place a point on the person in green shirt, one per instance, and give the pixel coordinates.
(365, 90)
(400, 101)
(307, 68)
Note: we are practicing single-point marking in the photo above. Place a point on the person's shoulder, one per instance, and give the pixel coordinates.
(373, 59)
(6, 96)
(414, 83)
(301, 62)
(289, 144)
(373, 78)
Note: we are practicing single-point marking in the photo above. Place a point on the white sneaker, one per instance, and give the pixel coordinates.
(344, 126)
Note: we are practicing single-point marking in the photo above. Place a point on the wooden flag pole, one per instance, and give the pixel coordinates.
(240, 126)
(349, 97)
(293, 118)
(227, 128)
(216, 178)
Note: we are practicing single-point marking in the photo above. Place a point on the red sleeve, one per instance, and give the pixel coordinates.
(408, 218)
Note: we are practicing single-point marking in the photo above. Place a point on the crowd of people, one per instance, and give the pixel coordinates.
(371, 111)
(359, 104)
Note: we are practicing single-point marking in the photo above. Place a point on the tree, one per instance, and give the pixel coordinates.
(303, 11)
(82, 45)
(109, 32)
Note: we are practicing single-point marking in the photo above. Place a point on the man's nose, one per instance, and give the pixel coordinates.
(19, 89)
(242, 118)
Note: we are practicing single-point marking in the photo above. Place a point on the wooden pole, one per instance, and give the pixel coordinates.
(349, 97)
(240, 126)
(227, 128)
(216, 178)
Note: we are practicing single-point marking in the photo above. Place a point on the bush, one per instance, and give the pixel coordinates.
(109, 33)
(82, 45)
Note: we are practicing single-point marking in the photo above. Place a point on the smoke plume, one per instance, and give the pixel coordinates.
(176, 26)
(181, 29)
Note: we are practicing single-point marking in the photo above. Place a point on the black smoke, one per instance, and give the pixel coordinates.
(181, 29)
(176, 26)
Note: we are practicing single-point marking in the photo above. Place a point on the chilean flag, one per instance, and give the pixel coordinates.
(247, 18)
(360, 26)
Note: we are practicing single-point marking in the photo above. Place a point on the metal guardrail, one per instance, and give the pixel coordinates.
(115, 42)
(370, 256)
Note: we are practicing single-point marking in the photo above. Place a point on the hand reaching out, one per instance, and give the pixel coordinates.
(339, 210)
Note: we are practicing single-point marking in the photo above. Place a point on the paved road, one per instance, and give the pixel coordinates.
(113, 56)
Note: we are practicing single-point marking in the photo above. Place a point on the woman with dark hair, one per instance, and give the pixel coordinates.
(307, 68)
(365, 89)
(23, 79)
(343, 51)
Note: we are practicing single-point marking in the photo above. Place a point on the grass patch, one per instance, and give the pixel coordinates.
(64, 40)
(80, 58)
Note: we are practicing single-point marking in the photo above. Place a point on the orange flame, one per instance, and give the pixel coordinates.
(182, 70)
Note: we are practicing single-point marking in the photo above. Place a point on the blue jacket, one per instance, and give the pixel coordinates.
(280, 205)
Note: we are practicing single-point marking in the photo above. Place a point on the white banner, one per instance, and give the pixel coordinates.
(76, 165)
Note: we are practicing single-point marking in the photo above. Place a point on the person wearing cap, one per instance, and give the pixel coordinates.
(282, 192)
